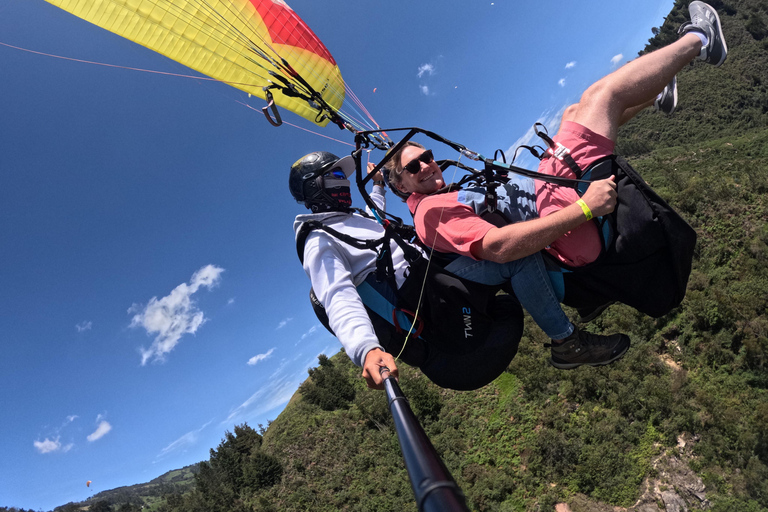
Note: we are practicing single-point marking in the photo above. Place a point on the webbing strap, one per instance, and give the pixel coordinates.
(557, 150)
(309, 226)
(385, 270)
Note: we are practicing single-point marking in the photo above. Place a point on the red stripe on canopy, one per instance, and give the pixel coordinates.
(285, 27)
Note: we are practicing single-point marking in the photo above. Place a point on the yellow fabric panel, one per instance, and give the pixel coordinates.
(219, 38)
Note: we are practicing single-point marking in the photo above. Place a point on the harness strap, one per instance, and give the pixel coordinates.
(557, 150)
(490, 188)
(385, 270)
(309, 226)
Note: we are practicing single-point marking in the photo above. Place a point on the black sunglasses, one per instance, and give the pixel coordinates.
(414, 166)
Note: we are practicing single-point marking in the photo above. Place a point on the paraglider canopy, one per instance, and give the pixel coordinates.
(88, 483)
(257, 46)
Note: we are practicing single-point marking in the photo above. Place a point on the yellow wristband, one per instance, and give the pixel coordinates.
(585, 209)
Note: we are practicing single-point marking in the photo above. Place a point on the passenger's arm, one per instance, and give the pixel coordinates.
(522, 239)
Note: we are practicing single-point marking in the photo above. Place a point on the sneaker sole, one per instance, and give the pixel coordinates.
(571, 366)
(674, 100)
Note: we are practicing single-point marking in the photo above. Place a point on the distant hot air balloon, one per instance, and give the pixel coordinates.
(248, 44)
(88, 483)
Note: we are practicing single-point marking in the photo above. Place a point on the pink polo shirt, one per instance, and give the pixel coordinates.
(445, 224)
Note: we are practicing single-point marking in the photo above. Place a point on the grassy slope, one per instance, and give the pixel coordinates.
(150, 494)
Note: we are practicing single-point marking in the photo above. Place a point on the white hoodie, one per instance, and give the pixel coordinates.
(335, 269)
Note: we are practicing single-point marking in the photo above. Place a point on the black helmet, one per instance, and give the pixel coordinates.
(308, 184)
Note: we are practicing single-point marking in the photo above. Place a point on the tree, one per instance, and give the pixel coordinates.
(100, 506)
(236, 469)
(329, 386)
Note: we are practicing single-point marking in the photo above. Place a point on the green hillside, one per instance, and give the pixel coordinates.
(680, 423)
(133, 498)
(728, 101)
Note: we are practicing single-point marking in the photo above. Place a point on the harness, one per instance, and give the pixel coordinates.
(461, 334)
(647, 248)
(385, 270)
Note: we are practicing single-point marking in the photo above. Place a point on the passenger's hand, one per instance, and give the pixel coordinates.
(374, 361)
(601, 197)
(376, 177)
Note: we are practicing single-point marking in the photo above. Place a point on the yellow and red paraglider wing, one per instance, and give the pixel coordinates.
(236, 41)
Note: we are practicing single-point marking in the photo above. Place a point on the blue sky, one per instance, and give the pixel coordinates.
(151, 294)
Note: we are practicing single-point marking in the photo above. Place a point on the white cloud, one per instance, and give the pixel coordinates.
(424, 90)
(280, 367)
(102, 430)
(260, 357)
(311, 331)
(231, 301)
(53, 444)
(84, 326)
(274, 394)
(283, 323)
(48, 445)
(174, 315)
(426, 69)
(616, 59)
(561, 82)
(188, 439)
(570, 65)
(280, 387)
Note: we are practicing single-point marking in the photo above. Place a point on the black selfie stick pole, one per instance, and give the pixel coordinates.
(433, 486)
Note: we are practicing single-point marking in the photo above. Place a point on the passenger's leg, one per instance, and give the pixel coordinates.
(588, 128)
(603, 105)
(633, 111)
(531, 286)
(571, 347)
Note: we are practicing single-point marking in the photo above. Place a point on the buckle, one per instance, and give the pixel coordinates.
(559, 151)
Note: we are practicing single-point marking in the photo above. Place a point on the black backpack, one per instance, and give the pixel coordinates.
(647, 249)
(466, 333)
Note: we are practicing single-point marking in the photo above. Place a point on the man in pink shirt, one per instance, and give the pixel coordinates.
(451, 222)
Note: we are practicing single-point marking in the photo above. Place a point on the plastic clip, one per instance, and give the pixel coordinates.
(472, 155)
(491, 197)
(559, 151)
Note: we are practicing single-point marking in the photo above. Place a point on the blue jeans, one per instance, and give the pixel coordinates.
(531, 286)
